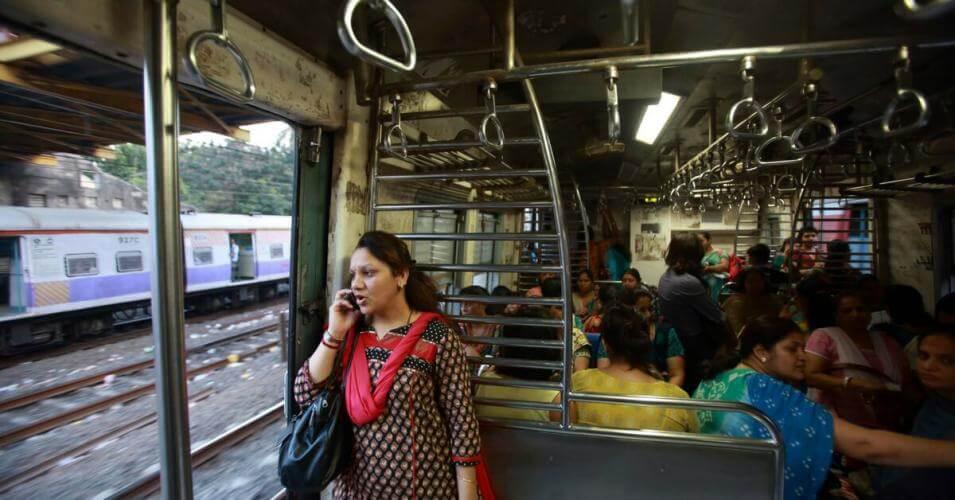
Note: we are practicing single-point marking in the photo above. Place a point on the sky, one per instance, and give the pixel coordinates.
(263, 134)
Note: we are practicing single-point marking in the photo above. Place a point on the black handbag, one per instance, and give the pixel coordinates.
(318, 444)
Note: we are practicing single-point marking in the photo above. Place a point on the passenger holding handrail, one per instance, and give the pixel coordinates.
(417, 420)
(771, 360)
(629, 348)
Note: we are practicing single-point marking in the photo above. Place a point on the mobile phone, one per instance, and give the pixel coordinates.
(350, 297)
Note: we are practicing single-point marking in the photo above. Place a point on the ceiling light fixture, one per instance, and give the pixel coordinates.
(656, 117)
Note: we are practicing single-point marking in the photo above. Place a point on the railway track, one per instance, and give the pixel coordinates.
(149, 483)
(111, 338)
(136, 366)
(43, 425)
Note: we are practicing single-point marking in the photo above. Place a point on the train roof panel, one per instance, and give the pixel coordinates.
(72, 219)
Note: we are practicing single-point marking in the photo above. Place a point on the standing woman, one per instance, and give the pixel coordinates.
(716, 266)
(686, 305)
(585, 298)
(408, 391)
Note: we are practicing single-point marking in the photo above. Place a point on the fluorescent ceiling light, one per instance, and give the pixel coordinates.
(656, 117)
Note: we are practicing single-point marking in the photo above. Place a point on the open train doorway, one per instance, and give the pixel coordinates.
(242, 255)
(11, 277)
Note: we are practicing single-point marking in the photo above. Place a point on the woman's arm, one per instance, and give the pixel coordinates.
(816, 376)
(581, 363)
(467, 483)
(341, 318)
(722, 266)
(676, 369)
(889, 448)
(454, 400)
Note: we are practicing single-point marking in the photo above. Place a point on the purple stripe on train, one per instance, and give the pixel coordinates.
(267, 267)
(101, 287)
(208, 274)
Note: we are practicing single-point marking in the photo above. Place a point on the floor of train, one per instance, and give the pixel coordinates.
(82, 424)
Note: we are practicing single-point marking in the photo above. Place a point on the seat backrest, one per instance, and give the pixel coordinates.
(541, 463)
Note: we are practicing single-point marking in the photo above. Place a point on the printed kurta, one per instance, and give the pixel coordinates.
(427, 427)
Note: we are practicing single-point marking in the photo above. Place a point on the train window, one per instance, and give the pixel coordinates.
(127, 262)
(88, 180)
(37, 200)
(437, 252)
(81, 264)
(202, 256)
(276, 251)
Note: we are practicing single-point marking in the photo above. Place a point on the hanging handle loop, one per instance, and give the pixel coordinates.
(811, 91)
(920, 10)
(613, 105)
(490, 118)
(395, 131)
(777, 137)
(346, 33)
(748, 102)
(220, 36)
(903, 92)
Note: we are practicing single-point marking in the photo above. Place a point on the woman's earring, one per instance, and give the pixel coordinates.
(762, 360)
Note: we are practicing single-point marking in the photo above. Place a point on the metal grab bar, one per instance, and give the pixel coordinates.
(508, 320)
(811, 93)
(351, 43)
(395, 130)
(220, 36)
(461, 175)
(778, 137)
(478, 236)
(613, 105)
(518, 363)
(903, 80)
(747, 66)
(515, 342)
(913, 9)
(490, 104)
(506, 300)
(516, 382)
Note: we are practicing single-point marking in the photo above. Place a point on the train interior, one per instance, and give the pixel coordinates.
(530, 140)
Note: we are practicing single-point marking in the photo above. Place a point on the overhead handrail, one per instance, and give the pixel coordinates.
(913, 9)
(811, 91)
(490, 105)
(220, 36)
(613, 105)
(346, 33)
(903, 81)
(395, 130)
(777, 138)
(748, 101)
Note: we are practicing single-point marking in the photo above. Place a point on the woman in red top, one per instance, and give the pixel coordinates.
(408, 391)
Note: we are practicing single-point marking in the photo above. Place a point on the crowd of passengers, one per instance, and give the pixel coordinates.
(858, 377)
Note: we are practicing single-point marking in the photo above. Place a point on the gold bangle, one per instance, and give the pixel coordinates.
(466, 480)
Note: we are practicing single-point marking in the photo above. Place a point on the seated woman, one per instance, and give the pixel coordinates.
(667, 352)
(498, 373)
(935, 420)
(856, 372)
(628, 374)
(585, 298)
(582, 351)
(770, 362)
(608, 296)
(469, 329)
(631, 279)
(753, 299)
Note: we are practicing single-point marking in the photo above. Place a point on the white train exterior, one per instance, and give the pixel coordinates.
(67, 271)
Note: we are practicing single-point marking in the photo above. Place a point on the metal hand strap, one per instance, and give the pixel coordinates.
(347, 35)
(778, 137)
(490, 105)
(395, 130)
(220, 36)
(613, 105)
(748, 101)
(914, 9)
(903, 80)
(812, 93)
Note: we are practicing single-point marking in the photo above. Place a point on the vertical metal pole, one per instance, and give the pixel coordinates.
(283, 333)
(510, 36)
(166, 278)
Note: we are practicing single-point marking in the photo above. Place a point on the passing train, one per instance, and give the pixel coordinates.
(70, 273)
(484, 139)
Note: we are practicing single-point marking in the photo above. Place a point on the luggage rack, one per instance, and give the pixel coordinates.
(934, 182)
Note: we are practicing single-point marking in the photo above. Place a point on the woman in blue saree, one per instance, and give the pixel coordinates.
(771, 357)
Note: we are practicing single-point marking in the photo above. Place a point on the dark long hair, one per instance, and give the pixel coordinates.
(684, 254)
(765, 331)
(420, 291)
(624, 332)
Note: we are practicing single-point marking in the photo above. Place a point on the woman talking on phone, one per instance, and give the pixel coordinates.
(407, 390)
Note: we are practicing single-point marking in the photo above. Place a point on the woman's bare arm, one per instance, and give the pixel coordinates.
(890, 448)
(676, 369)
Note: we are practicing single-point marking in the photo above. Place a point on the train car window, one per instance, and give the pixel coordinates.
(202, 256)
(276, 251)
(437, 252)
(127, 262)
(83, 264)
(88, 180)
